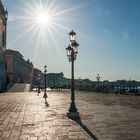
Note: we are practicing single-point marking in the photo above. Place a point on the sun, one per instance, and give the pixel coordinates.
(43, 19)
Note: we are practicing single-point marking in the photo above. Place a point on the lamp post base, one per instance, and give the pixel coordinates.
(73, 115)
(45, 96)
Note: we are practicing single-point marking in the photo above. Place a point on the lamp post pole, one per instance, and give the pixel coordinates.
(38, 84)
(73, 106)
(72, 51)
(45, 74)
(98, 79)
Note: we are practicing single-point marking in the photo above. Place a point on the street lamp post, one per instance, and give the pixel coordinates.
(72, 51)
(45, 74)
(38, 84)
(98, 79)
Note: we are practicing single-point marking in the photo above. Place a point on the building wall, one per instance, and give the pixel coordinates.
(2, 74)
(2, 35)
(3, 26)
(55, 80)
(18, 69)
(37, 75)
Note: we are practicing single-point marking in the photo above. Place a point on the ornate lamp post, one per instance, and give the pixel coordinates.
(36, 80)
(98, 79)
(45, 74)
(38, 84)
(72, 51)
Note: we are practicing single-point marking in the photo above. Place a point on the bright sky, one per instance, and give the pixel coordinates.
(108, 33)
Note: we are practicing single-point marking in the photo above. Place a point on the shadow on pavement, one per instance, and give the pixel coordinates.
(78, 121)
(47, 104)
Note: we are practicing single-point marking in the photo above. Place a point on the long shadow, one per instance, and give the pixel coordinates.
(47, 104)
(78, 121)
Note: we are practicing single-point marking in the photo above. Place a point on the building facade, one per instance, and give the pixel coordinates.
(37, 78)
(18, 69)
(55, 80)
(3, 30)
(2, 73)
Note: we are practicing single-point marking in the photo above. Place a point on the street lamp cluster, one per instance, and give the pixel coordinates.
(72, 51)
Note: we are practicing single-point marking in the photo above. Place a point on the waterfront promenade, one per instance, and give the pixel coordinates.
(24, 116)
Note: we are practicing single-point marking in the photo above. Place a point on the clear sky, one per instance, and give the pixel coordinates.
(108, 33)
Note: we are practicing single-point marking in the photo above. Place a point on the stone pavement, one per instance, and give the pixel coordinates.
(24, 116)
(111, 116)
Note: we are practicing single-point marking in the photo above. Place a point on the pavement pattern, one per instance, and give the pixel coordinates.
(25, 116)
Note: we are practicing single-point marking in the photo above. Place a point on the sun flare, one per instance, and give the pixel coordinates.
(44, 22)
(43, 18)
(47, 14)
